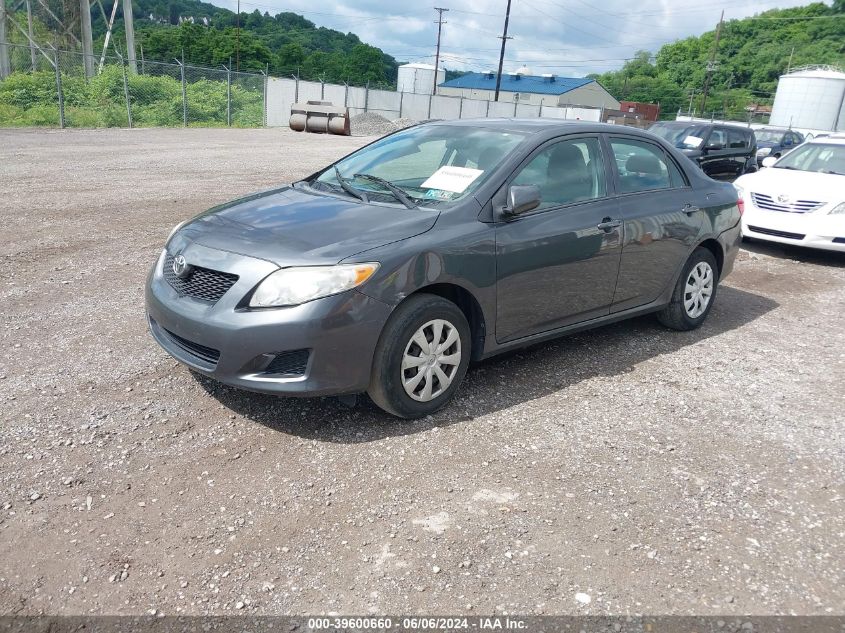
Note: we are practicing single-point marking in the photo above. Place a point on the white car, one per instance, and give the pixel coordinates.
(798, 198)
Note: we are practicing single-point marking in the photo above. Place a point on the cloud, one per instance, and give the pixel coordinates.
(567, 37)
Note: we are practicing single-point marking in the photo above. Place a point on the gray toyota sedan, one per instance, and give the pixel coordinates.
(449, 242)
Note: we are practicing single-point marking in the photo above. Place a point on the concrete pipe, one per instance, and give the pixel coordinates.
(319, 117)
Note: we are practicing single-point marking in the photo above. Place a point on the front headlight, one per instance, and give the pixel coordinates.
(293, 286)
(764, 151)
(839, 209)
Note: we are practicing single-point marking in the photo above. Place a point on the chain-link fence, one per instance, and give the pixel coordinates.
(49, 87)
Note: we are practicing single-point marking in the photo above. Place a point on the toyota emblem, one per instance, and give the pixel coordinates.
(783, 198)
(180, 267)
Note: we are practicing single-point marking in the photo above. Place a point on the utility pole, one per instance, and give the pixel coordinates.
(711, 65)
(504, 38)
(31, 36)
(129, 25)
(5, 67)
(440, 24)
(238, 40)
(87, 40)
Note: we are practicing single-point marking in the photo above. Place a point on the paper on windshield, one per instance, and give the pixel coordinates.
(694, 141)
(454, 179)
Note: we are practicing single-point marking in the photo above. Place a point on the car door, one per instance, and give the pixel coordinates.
(739, 143)
(557, 265)
(662, 217)
(716, 160)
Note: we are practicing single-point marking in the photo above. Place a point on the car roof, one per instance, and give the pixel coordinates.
(539, 125)
(734, 126)
(833, 139)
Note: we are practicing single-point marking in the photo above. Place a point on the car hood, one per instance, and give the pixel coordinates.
(766, 144)
(295, 226)
(802, 185)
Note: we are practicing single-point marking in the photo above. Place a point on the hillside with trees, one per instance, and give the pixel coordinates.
(752, 54)
(285, 43)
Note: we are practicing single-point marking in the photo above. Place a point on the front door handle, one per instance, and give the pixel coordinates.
(689, 209)
(607, 225)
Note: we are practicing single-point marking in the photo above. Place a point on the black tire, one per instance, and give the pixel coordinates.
(675, 314)
(386, 387)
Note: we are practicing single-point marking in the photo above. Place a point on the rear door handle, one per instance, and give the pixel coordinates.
(607, 225)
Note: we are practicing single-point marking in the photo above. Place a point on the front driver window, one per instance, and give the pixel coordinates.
(566, 172)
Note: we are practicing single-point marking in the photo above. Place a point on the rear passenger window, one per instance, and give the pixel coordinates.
(641, 166)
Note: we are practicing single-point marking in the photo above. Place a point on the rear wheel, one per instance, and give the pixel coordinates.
(421, 357)
(694, 293)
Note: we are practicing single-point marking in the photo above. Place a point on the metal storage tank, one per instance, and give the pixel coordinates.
(811, 98)
(419, 78)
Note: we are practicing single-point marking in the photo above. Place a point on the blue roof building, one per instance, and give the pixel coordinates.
(549, 90)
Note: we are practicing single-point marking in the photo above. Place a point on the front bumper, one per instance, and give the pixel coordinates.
(334, 337)
(811, 230)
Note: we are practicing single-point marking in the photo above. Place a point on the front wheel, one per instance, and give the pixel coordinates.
(694, 293)
(421, 357)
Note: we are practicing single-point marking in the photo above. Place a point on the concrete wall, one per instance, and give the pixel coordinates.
(527, 98)
(282, 93)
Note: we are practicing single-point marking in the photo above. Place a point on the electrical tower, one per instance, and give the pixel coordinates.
(86, 41)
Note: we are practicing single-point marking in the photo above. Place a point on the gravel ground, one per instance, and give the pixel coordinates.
(624, 470)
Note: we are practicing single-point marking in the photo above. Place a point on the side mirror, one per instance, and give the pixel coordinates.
(769, 161)
(714, 145)
(522, 198)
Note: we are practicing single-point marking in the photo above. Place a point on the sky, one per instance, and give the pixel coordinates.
(566, 37)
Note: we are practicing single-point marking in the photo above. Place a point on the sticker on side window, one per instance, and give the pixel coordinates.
(454, 179)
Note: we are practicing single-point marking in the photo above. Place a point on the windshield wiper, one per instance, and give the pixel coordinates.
(830, 171)
(352, 191)
(400, 195)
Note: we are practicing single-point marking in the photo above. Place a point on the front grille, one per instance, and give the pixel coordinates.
(762, 201)
(773, 232)
(201, 283)
(291, 363)
(206, 355)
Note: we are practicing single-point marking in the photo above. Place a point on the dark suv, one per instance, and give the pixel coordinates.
(724, 152)
(775, 142)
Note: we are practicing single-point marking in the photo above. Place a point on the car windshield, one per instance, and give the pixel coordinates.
(819, 157)
(426, 164)
(769, 136)
(684, 137)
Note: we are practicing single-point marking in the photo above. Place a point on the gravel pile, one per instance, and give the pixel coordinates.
(372, 124)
